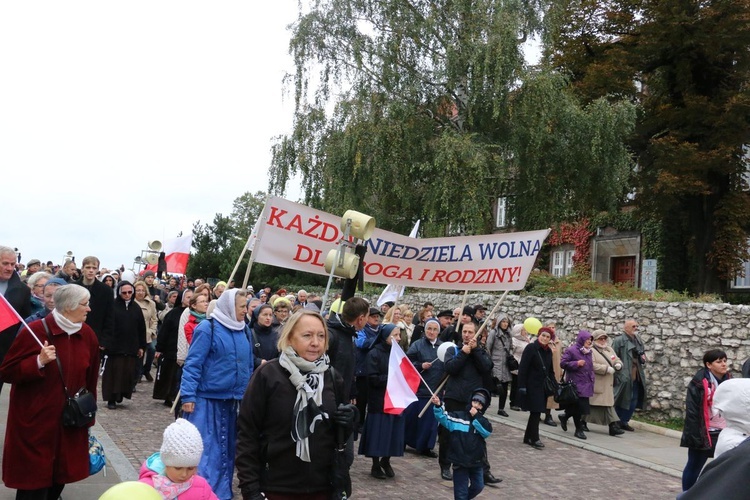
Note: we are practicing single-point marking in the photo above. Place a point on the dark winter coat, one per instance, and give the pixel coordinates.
(166, 340)
(467, 436)
(266, 457)
(341, 350)
(422, 351)
(38, 449)
(366, 338)
(698, 411)
(18, 294)
(468, 372)
(130, 330)
(101, 316)
(377, 376)
(536, 362)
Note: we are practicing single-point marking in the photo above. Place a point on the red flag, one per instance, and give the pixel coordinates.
(403, 382)
(8, 315)
(177, 253)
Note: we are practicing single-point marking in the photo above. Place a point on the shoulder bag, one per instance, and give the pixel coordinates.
(550, 385)
(566, 392)
(79, 409)
(510, 360)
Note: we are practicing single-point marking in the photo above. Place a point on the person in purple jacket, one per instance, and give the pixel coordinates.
(577, 361)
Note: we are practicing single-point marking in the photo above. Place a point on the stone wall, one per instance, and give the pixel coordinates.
(676, 334)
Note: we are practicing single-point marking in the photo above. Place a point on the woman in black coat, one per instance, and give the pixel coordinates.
(383, 433)
(698, 435)
(168, 372)
(536, 363)
(123, 348)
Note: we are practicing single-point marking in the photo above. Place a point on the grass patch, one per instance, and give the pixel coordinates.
(676, 424)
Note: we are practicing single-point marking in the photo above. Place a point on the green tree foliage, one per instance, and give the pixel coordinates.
(692, 60)
(424, 116)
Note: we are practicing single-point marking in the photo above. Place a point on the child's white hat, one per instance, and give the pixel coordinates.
(182, 445)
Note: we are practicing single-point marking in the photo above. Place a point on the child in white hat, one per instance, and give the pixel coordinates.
(173, 470)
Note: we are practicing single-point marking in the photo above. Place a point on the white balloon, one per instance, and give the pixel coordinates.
(443, 348)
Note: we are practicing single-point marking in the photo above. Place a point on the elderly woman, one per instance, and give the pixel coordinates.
(555, 345)
(499, 347)
(216, 373)
(36, 284)
(602, 403)
(424, 314)
(702, 426)
(40, 456)
(383, 433)
(421, 433)
(520, 341)
(265, 337)
(123, 347)
(288, 418)
(281, 309)
(168, 370)
(182, 341)
(148, 308)
(578, 363)
(535, 365)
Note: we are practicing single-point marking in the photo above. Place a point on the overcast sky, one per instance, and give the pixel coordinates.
(126, 122)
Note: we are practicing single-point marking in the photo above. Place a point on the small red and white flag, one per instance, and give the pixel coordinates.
(8, 315)
(176, 253)
(403, 382)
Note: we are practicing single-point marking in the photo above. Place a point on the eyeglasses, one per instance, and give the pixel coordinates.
(126, 293)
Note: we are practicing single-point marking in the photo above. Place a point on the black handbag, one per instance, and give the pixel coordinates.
(566, 393)
(512, 362)
(550, 385)
(79, 409)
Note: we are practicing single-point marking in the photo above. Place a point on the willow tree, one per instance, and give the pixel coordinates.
(405, 110)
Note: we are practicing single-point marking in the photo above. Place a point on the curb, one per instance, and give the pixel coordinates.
(577, 443)
(115, 457)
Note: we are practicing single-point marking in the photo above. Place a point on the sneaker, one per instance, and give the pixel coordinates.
(445, 473)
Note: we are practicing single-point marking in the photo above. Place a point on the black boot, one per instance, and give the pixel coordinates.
(563, 421)
(445, 473)
(614, 429)
(548, 420)
(377, 471)
(385, 463)
(584, 426)
(579, 433)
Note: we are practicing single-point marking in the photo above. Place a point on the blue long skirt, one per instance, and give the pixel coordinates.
(216, 419)
(420, 433)
(382, 436)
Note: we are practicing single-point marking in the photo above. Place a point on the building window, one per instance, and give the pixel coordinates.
(562, 262)
(743, 281)
(501, 212)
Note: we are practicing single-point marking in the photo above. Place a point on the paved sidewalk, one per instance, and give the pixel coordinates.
(637, 465)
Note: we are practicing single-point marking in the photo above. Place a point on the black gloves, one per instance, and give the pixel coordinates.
(254, 495)
(346, 417)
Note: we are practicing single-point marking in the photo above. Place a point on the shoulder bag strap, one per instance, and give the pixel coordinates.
(59, 365)
(606, 358)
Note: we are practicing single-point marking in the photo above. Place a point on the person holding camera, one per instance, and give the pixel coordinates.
(630, 382)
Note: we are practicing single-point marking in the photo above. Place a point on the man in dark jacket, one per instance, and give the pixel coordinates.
(468, 367)
(342, 329)
(453, 332)
(16, 293)
(101, 316)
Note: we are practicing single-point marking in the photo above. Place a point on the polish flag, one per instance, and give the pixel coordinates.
(8, 315)
(177, 253)
(403, 382)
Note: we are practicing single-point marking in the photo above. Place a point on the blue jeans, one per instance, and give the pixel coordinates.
(696, 460)
(626, 414)
(462, 490)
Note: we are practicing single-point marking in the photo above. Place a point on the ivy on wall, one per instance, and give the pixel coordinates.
(578, 234)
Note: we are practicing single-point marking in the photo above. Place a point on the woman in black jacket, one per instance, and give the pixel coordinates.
(535, 365)
(168, 372)
(124, 348)
(383, 433)
(698, 435)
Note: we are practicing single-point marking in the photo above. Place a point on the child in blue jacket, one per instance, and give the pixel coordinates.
(467, 449)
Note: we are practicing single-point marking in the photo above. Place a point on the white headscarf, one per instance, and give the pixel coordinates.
(225, 311)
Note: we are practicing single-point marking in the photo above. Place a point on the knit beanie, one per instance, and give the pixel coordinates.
(182, 445)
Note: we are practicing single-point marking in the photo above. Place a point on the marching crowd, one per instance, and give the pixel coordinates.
(264, 384)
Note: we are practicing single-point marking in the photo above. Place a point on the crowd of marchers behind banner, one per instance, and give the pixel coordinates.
(265, 383)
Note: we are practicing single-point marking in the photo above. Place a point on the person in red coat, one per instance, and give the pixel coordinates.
(41, 456)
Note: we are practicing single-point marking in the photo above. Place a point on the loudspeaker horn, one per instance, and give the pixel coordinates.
(362, 225)
(152, 258)
(137, 258)
(348, 270)
(155, 245)
(69, 253)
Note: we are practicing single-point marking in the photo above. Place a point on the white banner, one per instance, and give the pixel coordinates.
(297, 237)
